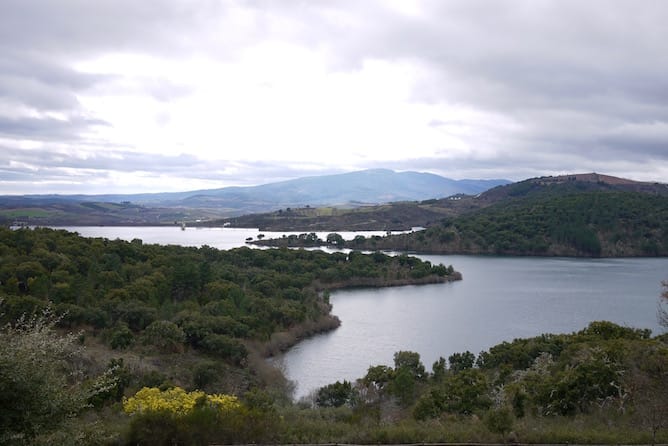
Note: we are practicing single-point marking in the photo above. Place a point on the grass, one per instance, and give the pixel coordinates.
(27, 213)
(348, 426)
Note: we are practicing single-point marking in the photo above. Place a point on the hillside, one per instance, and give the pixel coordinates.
(386, 217)
(364, 187)
(568, 184)
(577, 215)
(349, 190)
(592, 224)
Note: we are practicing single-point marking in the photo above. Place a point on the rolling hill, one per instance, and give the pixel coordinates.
(343, 190)
(575, 215)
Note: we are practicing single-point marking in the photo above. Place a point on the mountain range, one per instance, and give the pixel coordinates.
(353, 189)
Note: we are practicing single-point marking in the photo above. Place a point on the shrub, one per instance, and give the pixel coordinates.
(121, 337)
(175, 416)
(336, 395)
(225, 347)
(39, 393)
(165, 335)
(499, 421)
(205, 373)
(176, 401)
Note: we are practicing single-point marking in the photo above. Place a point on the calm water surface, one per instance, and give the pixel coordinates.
(500, 298)
(221, 238)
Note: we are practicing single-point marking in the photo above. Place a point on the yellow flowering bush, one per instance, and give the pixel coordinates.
(176, 401)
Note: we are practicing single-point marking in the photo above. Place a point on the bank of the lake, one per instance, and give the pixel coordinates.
(501, 298)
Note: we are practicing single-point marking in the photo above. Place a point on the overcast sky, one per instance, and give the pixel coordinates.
(167, 95)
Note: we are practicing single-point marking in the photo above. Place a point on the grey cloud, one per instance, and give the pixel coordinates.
(72, 29)
(585, 81)
(106, 159)
(50, 165)
(48, 129)
(599, 62)
(41, 83)
(62, 168)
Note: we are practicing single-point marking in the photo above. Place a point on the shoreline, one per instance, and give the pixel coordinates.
(282, 341)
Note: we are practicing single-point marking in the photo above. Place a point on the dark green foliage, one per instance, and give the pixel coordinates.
(16, 306)
(403, 386)
(155, 293)
(500, 421)
(336, 240)
(336, 395)
(165, 335)
(461, 361)
(378, 376)
(521, 353)
(121, 337)
(463, 393)
(410, 361)
(224, 347)
(604, 330)
(438, 369)
(205, 373)
(582, 223)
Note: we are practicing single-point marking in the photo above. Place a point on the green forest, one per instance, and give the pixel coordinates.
(119, 343)
(590, 224)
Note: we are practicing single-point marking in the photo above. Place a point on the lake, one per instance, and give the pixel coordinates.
(221, 238)
(500, 298)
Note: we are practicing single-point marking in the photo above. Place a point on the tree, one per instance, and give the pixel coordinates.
(438, 369)
(499, 421)
(466, 392)
(336, 240)
(166, 336)
(336, 395)
(403, 386)
(409, 361)
(461, 361)
(378, 376)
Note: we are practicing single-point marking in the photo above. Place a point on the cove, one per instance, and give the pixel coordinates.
(499, 299)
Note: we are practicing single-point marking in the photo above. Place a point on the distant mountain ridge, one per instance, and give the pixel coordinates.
(405, 215)
(373, 186)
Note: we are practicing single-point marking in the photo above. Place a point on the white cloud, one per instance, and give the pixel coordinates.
(461, 88)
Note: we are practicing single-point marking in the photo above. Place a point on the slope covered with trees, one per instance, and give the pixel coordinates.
(590, 223)
(212, 299)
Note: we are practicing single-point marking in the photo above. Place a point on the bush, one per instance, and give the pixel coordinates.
(205, 373)
(225, 347)
(165, 335)
(175, 416)
(121, 337)
(39, 393)
(499, 421)
(336, 395)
